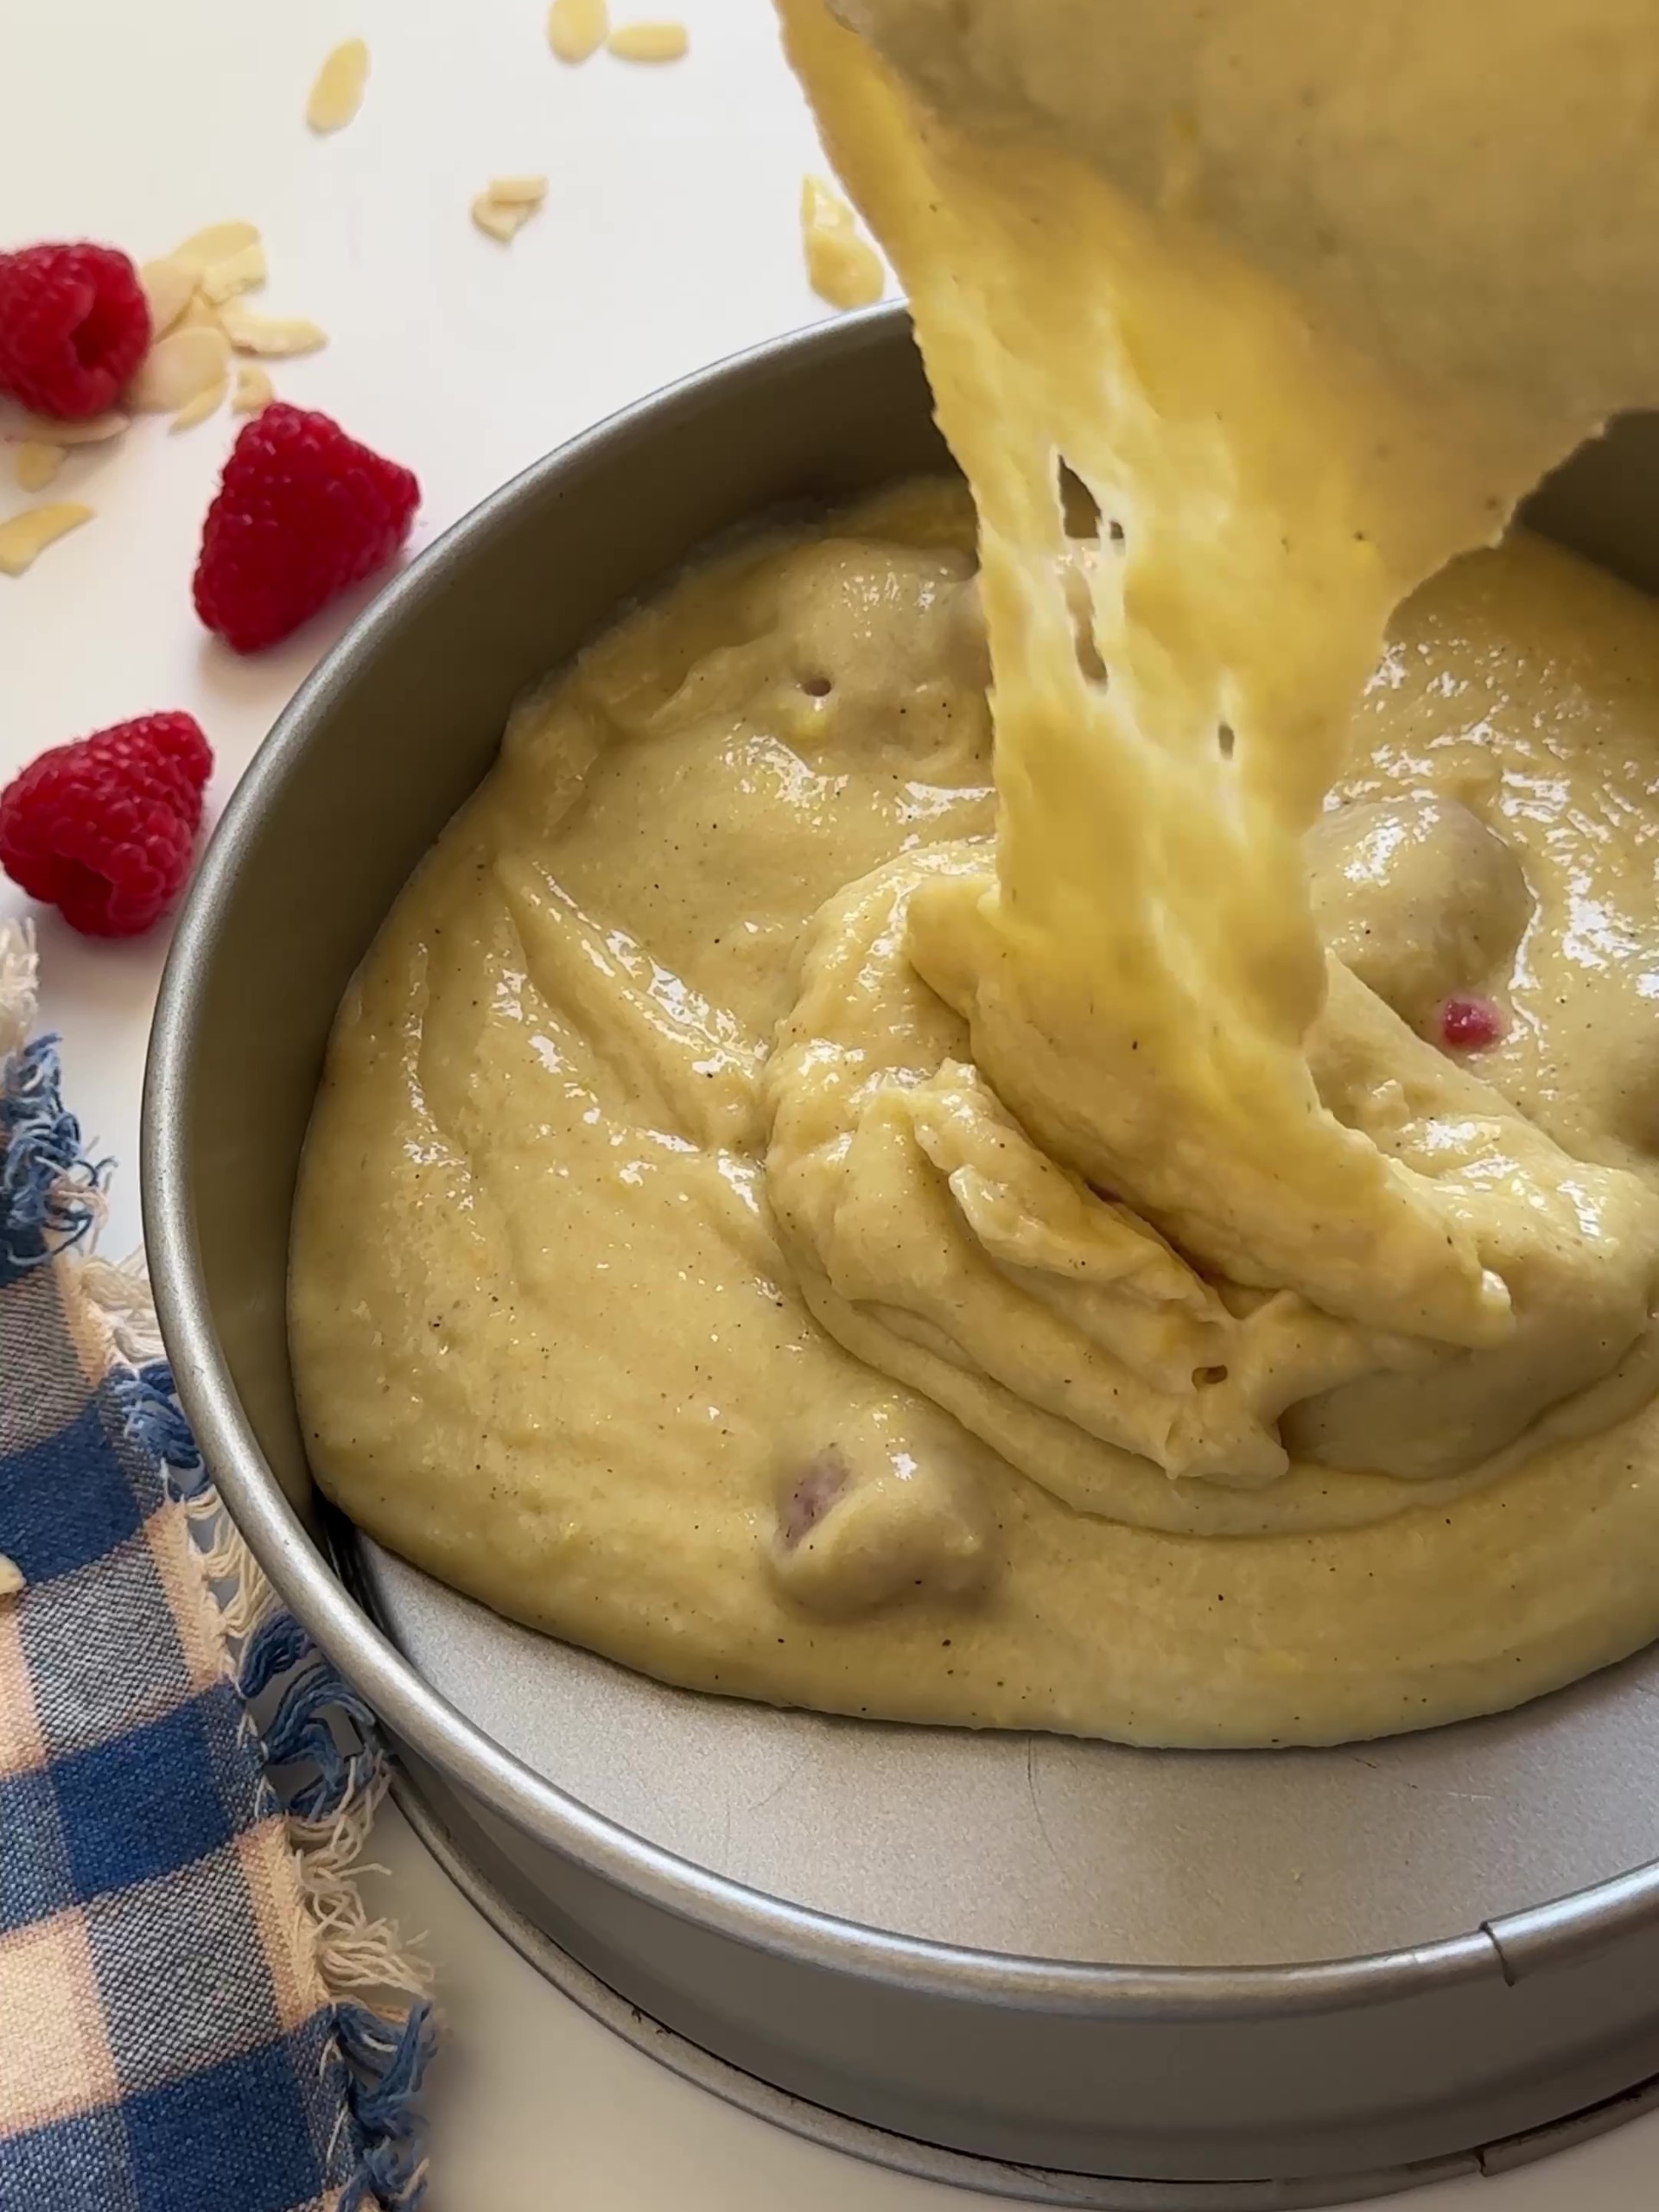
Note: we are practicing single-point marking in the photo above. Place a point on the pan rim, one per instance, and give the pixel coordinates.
(1553, 1934)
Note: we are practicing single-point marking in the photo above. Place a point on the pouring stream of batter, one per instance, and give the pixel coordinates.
(814, 1226)
(1140, 973)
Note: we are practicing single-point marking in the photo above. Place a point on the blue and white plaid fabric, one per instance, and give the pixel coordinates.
(173, 2036)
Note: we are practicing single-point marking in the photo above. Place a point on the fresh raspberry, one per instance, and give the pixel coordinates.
(1470, 1025)
(302, 511)
(75, 324)
(103, 828)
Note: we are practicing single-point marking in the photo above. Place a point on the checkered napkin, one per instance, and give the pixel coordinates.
(195, 2013)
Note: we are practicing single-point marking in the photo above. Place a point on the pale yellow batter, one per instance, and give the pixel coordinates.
(791, 1218)
(550, 1347)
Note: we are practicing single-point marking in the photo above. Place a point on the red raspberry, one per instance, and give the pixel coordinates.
(103, 828)
(1470, 1025)
(75, 324)
(302, 511)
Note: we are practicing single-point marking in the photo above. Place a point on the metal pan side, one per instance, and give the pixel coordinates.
(1329, 2067)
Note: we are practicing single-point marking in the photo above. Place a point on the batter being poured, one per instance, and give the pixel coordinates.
(1152, 1230)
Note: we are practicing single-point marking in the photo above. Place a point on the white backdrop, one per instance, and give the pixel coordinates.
(669, 239)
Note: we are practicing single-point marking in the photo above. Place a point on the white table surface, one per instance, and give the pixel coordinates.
(669, 239)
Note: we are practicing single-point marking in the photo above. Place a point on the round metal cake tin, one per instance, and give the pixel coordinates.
(1070, 1971)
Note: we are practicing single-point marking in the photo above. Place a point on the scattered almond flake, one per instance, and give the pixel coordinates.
(269, 334)
(338, 93)
(253, 389)
(844, 269)
(518, 191)
(217, 242)
(169, 286)
(649, 42)
(239, 272)
(201, 315)
(502, 219)
(11, 1577)
(177, 368)
(26, 536)
(576, 28)
(45, 431)
(205, 403)
(37, 463)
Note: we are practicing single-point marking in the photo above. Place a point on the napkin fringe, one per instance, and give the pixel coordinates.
(319, 1735)
(310, 1727)
(51, 1191)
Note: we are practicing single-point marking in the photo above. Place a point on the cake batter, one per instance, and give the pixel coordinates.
(1163, 1247)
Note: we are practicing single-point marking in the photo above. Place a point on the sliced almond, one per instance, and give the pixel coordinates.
(26, 536)
(93, 432)
(649, 42)
(253, 389)
(844, 269)
(170, 287)
(217, 242)
(518, 191)
(239, 272)
(269, 334)
(502, 219)
(177, 368)
(201, 315)
(499, 221)
(11, 1577)
(37, 463)
(205, 403)
(576, 28)
(338, 93)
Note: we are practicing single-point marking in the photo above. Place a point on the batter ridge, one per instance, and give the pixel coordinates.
(1031, 1106)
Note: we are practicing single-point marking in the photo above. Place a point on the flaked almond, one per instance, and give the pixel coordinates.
(11, 1577)
(177, 368)
(93, 432)
(649, 42)
(844, 269)
(170, 287)
(26, 537)
(271, 334)
(253, 389)
(338, 93)
(518, 191)
(217, 242)
(201, 315)
(205, 403)
(500, 219)
(576, 28)
(37, 463)
(239, 272)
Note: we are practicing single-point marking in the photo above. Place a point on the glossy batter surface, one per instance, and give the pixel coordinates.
(1165, 1246)
(550, 1311)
